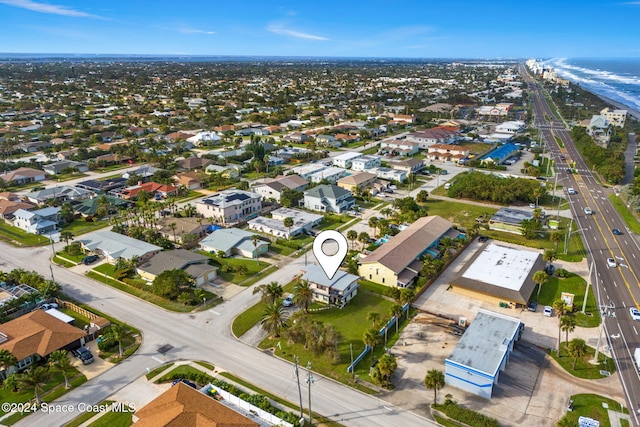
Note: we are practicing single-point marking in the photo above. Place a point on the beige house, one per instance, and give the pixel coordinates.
(447, 152)
(230, 206)
(397, 262)
(360, 180)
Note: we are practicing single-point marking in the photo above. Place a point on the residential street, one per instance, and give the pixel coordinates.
(205, 336)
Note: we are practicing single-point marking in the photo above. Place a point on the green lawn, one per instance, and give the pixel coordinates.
(80, 320)
(584, 368)
(625, 213)
(61, 177)
(159, 369)
(575, 285)
(178, 370)
(206, 365)
(351, 322)
(74, 258)
(80, 226)
(17, 237)
(591, 406)
(63, 262)
(463, 214)
(253, 267)
(114, 419)
(85, 416)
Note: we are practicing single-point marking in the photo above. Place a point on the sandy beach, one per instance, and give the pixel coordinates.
(617, 105)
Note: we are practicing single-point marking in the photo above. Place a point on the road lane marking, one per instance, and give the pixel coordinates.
(215, 312)
(624, 305)
(634, 330)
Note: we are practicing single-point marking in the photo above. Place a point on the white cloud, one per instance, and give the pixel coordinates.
(285, 32)
(190, 30)
(48, 8)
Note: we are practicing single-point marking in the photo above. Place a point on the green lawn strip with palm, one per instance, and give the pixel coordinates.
(627, 216)
(69, 257)
(205, 365)
(252, 267)
(63, 262)
(107, 269)
(257, 277)
(178, 371)
(583, 366)
(86, 415)
(17, 237)
(591, 406)
(446, 422)
(252, 316)
(351, 322)
(316, 417)
(114, 419)
(576, 285)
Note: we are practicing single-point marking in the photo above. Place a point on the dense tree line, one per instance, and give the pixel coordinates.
(609, 162)
(493, 188)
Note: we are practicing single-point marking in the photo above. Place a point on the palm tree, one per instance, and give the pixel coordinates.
(303, 294)
(568, 324)
(556, 238)
(370, 338)
(386, 366)
(118, 333)
(7, 359)
(559, 306)
(374, 317)
(386, 212)
(172, 226)
(61, 362)
(200, 295)
(434, 380)
(34, 378)
(352, 235)
(549, 256)
(396, 311)
(255, 239)
(270, 292)
(541, 278)
(363, 238)
(373, 223)
(288, 222)
(577, 348)
(273, 319)
(66, 236)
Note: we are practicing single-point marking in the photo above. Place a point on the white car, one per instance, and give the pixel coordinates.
(532, 205)
(288, 301)
(611, 263)
(393, 187)
(548, 310)
(587, 211)
(635, 313)
(571, 190)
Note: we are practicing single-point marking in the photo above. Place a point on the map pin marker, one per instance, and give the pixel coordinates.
(330, 263)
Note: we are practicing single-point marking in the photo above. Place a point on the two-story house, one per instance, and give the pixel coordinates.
(40, 221)
(364, 163)
(338, 290)
(328, 198)
(230, 206)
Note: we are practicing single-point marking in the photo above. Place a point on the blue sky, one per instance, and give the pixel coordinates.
(372, 28)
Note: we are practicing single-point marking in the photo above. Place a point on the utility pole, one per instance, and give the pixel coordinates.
(295, 371)
(309, 382)
(586, 292)
(53, 254)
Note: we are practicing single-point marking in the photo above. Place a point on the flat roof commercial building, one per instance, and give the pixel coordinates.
(482, 353)
(509, 220)
(499, 274)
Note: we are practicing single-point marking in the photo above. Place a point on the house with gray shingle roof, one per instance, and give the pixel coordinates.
(328, 198)
(196, 265)
(233, 241)
(338, 290)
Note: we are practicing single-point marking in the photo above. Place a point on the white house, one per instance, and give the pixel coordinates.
(275, 225)
(114, 246)
(234, 241)
(345, 160)
(204, 137)
(390, 174)
(41, 221)
(331, 174)
(230, 206)
(305, 171)
(514, 126)
(338, 290)
(364, 163)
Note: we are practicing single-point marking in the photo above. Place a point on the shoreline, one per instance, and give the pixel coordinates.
(616, 104)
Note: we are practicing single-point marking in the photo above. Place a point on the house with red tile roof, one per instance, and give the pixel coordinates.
(151, 188)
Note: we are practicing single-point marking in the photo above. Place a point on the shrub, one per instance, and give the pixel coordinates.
(106, 343)
(561, 272)
(466, 416)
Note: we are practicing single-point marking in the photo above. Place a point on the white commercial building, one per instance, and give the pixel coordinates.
(482, 353)
(364, 163)
(345, 160)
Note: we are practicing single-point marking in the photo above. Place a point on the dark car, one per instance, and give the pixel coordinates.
(550, 269)
(309, 232)
(533, 306)
(616, 232)
(184, 381)
(541, 178)
(84, 355)
(483, 239)
(90, 259)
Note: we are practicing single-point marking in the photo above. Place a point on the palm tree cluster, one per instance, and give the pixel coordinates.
(45, 289)
(34, 378)
(316, 336)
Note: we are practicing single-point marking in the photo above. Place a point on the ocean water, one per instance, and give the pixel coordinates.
(615, 78)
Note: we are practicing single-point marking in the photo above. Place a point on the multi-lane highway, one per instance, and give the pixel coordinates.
(616, 288)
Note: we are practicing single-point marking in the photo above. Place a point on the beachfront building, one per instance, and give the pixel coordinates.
(615, 117)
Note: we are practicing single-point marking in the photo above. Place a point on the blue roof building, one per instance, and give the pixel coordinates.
(500, 154)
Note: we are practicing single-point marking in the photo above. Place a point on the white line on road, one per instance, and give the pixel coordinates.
(632, 254)
(634, 330)
(157, 359)
(215, 312)
(624, 305)
(595, 238)
(615, 284)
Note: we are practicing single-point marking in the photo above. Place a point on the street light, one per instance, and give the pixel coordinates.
(309, 381)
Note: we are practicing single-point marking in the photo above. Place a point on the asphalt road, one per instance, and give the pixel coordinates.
(617, 289)
(202, 336)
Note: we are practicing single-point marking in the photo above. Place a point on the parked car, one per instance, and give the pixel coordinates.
(288, 301)
(635, 313)
(309, 232)
(483, 239)
(550, 269)
(532, 205)
(616, 232)
(90, 259)
(84, 355)
(548, 310)
(184, 381)
(49, 305)
(533, 306)
(541, 178)
(393, 187)
(611, 263)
